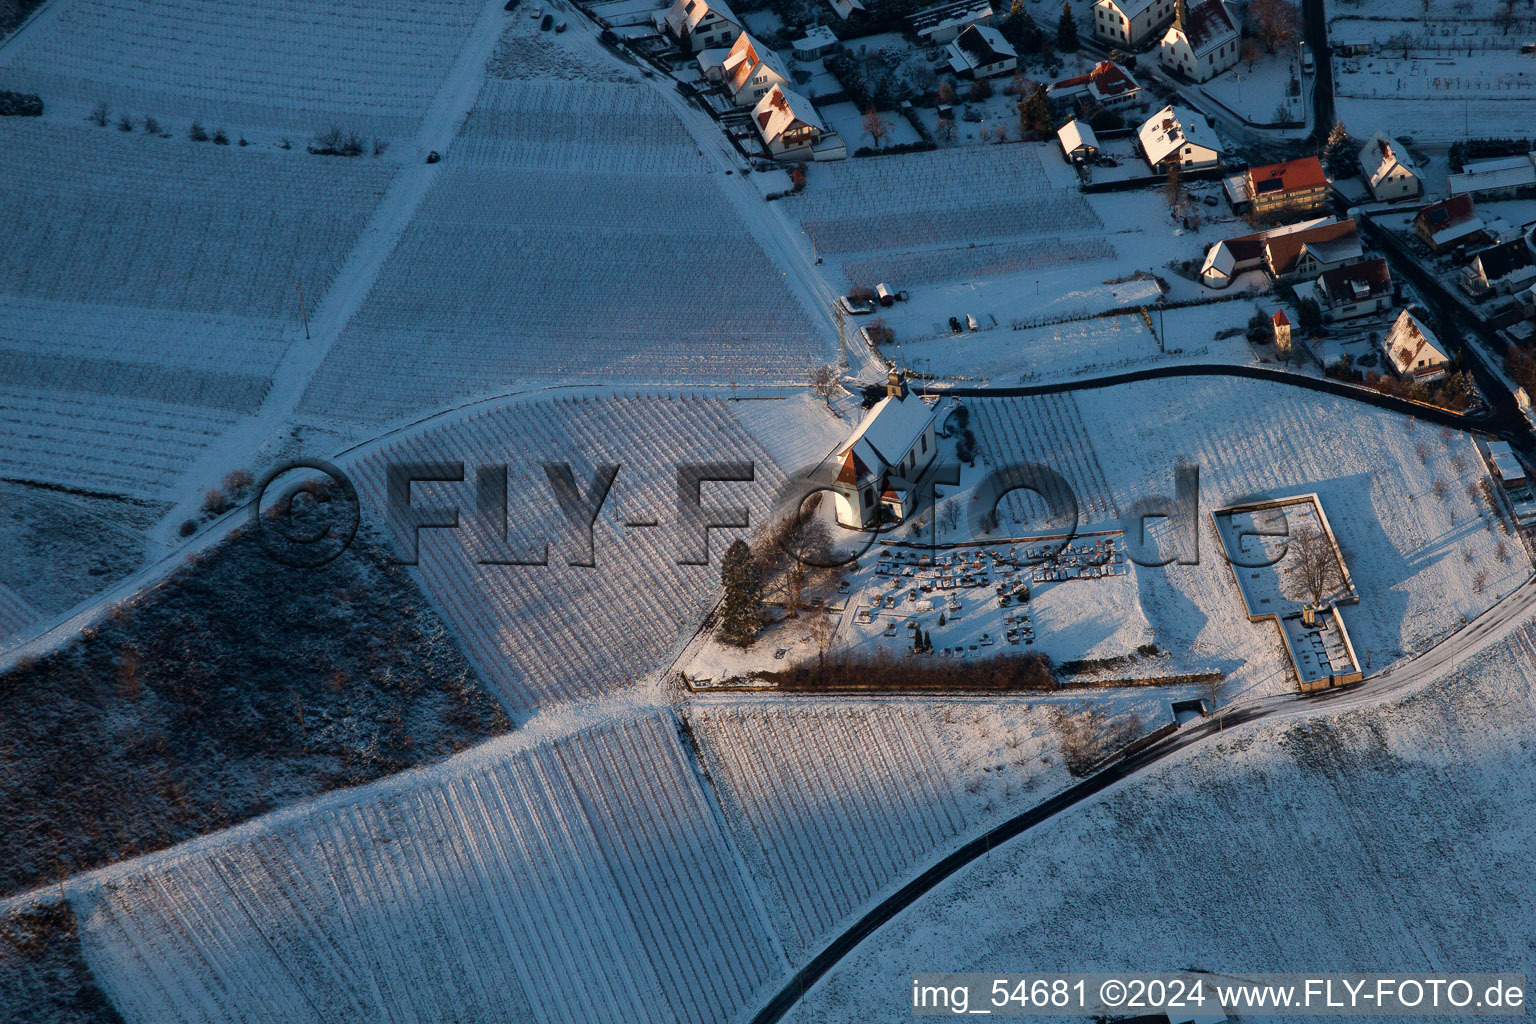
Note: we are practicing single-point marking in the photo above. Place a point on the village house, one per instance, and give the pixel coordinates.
(746, 71)
(1389, 170)
(1500, 270)
(701, 24)
(1503, 177)
(1201, 43)
(944, 22)
(1295, 252)
(1359, 290)
(981, 52)
(1413, 350)
(817, 42)
(1174, 135)
(845, 9)
(788, 124)
(1450, 223)
(1130, 23)
(878, 468)
(1296, 186)
(1107, 85)
(1078, 142)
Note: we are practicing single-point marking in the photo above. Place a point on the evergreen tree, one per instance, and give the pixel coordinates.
(1336, 152)
(741, 610)
(1035, 113)
(1066, 31)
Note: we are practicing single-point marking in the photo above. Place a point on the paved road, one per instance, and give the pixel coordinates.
(1492, 626)
(1314, 22)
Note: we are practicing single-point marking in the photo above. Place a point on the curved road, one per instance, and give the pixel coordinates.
(1489, 628)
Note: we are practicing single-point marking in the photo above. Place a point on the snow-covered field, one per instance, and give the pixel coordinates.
(1423, 552)
(577, 236)
(1443, 77)
(949, 197)
(1397, 836)
(275, 64)
(553, 633)
(1089, 347)
(150, 292)
(830, 804)
(580, 878)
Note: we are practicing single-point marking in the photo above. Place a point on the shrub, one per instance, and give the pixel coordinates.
(219, 138)
(980, 90)
(188, 527)
(125, 123)
(98, 115)
(196, 133)
(215, 502)
(20, 104)
(237, 482)
(285, 143)
(151, 126)
(336, 141)
(379, 146)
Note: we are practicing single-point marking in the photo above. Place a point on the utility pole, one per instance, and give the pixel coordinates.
(303, 314)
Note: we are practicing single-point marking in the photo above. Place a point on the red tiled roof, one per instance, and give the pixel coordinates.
(1291, 176)
(1280, 319)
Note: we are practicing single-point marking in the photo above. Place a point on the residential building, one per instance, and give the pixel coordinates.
(1450, 223)
(1078, 142)
(1107, 85)
(1413, 350)
(845, 9)
(944, 22)
(1500, 178)
(878, 468)
(1500, 270)
(746, 71)
(1129, 24)
(788, 124)
(817, 42)
(1359, 290)
(1175, 135)
(1202, 42)
(1296, 186)
(1295, 252)
(1389, 171)
(700, 24)
(981, 52)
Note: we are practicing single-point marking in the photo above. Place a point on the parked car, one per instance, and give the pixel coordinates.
(954, 325)
(560, 28)
(1209, 200)
(970, 321)
(511, 5)
(546, 23)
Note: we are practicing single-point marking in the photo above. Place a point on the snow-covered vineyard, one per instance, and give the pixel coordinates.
(280, 65)
(530, 249)
(552, 633)
(581, 879)
(474, 769)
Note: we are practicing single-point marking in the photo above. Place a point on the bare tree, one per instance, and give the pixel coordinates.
(823, 626)
(1312, 565)
(1277, 22)
(1173, 189)
(1250, 52)
(875, 125)
(1214, 690)
(825, 384)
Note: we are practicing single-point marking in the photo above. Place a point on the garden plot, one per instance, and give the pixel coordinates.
(832, 805)
(1391, 834)
(574, 879)
(1439, 78)
(953, 197)
(278, 64)
(630, 268)
(544, 634)
(1404, 500)
(524, 52)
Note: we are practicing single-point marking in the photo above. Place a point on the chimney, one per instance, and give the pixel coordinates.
(895, 384)
(1181, 15)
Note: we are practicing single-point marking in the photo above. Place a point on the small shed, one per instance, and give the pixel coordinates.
(1282, 325)
(1078, 142)
(817, 42)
